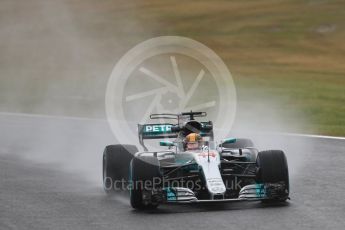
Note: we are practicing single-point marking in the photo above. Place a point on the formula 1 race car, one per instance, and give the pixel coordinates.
(192, 167)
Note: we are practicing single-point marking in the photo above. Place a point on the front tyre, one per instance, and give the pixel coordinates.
(145, 180)
(116, 160)
(273, 168)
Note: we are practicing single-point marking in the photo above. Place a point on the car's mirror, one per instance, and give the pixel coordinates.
(166, 143)
(228, 141)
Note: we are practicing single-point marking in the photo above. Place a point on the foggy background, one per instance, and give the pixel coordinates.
(56, 58)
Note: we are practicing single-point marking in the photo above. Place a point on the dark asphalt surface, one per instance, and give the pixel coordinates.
(51, 179)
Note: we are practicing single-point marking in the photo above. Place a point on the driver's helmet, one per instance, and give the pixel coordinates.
(193, 141)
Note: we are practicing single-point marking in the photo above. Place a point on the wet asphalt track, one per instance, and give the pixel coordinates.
(50, 179)
(50, 168)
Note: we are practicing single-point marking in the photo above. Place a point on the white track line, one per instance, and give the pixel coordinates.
(104, 120)
(50, 116)
(312, 136)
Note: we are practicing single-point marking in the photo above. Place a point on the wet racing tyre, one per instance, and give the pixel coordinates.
(273, 168)
(145, 177)
(116, 160)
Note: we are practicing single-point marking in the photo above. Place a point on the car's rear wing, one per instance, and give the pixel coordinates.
(167, 130)
(156, 131)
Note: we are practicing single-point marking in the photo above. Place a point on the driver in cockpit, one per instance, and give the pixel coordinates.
(193, 141)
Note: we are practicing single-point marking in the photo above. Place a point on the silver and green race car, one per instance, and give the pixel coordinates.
(225, 171)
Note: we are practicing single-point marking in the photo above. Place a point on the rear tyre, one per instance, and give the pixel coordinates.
(145, 177)
(273, 168)
(116, 160)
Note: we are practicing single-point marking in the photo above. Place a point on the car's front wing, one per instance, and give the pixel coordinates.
(253, 192)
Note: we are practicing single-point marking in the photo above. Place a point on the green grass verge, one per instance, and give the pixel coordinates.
(291, 50)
